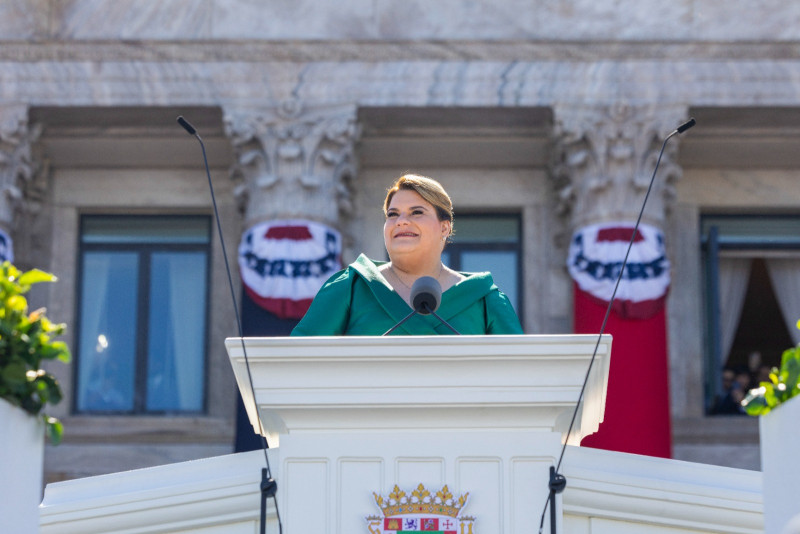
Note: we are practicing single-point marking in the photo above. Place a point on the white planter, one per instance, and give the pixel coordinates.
(780, 447)
(21, 458)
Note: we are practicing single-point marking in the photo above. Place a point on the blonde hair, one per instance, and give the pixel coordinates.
(429, 189)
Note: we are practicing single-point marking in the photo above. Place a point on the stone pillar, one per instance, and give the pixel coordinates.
(604, 161)
(294, 162)
(17, 169)
(295, 166)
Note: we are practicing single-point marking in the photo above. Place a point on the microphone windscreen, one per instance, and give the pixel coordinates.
(426, 295)
(686, 125)
(186, 126)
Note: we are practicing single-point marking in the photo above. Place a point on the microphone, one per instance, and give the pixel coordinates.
(269, 487)
(685, 126)
(426, 295)
(186, 126)
(557, 481)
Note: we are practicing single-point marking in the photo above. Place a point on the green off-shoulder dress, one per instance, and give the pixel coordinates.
(358, 301)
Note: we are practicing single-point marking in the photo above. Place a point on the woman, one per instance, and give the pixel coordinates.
(370, 297)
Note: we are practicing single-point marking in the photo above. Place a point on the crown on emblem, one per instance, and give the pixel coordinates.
(421, 501)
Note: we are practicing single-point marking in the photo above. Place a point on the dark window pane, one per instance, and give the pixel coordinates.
(746, 325)
(503, 266)
(486, 229)
(489, 242)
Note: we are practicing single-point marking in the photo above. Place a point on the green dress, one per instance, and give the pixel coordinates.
(358, 301)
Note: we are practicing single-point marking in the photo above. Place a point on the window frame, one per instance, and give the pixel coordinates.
(712, 246)
(144, 252)
(516, 247)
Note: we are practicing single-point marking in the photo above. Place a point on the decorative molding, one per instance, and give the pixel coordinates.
(604, 158)
(294, 162)
(18, 167)
(369, 383)
(373, 51)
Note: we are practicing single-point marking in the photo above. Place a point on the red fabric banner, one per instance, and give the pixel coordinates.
(637, 418)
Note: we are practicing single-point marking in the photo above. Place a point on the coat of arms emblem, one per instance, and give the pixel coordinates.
(421, 512)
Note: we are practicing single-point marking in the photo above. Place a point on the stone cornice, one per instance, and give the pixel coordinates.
(401, 50)
(401, 83)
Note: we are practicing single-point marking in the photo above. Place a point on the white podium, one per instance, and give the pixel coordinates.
(359, 427)
(365, 427)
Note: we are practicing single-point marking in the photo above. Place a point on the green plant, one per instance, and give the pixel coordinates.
(25, 342)
(783, 385)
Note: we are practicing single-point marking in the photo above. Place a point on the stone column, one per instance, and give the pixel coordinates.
(294, 161)
(604, 161)
(17, 168)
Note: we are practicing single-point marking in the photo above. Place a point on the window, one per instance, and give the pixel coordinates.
(489, 243)
(752, 290)
(142, 314)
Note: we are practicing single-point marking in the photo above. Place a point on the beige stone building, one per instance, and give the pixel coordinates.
(537, 117)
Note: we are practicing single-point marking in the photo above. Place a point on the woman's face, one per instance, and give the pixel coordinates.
(412, 226)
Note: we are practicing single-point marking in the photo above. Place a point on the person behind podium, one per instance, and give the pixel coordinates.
(370, 297)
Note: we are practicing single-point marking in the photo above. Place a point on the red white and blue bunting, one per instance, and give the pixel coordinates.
(283, 264)
(595, 257)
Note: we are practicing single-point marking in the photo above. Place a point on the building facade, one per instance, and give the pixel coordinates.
(539, 119)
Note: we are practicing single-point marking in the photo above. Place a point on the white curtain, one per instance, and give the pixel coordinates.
(734, 273)
(96, 271)
(187, 280)
(785, 276)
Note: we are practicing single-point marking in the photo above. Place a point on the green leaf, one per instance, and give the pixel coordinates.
(17, 303)
(54, 429)
(35, 276)
(26, 341)
(755, 403)
(14, 374)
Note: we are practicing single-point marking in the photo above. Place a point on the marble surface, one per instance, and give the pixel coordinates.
(402, 83)
(562, 20)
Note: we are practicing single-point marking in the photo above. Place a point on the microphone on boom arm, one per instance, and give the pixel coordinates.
(557, 481)
(268, 486)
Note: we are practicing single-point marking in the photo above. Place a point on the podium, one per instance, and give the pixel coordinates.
(360, 428)
(460, 431)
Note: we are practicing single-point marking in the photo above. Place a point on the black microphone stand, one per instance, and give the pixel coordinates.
(431, 312)
(557, 481)
(268, 486)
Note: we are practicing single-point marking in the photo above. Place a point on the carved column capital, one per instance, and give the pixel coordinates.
(604, 160)
(293, 161)
(18, 168)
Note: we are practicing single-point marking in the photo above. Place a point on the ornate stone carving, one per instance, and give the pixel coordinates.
(604, 160)
(18, 168)
(294, 162)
